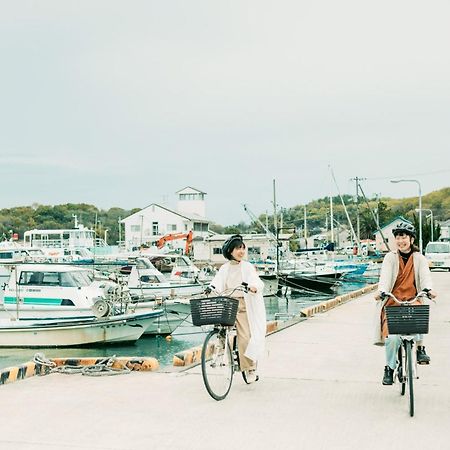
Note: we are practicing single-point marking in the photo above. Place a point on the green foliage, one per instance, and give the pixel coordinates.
(385, 210)
(23, 218)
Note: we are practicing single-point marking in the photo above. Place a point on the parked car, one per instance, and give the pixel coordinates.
(438, 255)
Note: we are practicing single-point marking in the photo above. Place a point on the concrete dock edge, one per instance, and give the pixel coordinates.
(30, 368)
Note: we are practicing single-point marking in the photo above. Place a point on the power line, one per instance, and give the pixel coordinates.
(410, 175)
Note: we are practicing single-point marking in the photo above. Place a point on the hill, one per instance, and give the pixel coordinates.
(22, 218)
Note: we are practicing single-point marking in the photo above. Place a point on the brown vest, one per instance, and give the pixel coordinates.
(404, 288)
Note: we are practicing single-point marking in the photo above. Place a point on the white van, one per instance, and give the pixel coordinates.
(438, 255)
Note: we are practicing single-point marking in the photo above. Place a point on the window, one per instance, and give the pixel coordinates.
(254, 251)
(155, 228)
(65, 279)
(135, 228)
(149, 279)
(192, 196)
(217, 251)
(171, 227)
(200, 226)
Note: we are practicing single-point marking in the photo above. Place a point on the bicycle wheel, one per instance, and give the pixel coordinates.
(401, 370)
(410, 376)
(217, 364)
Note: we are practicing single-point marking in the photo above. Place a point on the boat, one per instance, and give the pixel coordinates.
(307, 276)
(308, 283)
(267, 272)
(75, 332)
(66, 292)
(144, 280)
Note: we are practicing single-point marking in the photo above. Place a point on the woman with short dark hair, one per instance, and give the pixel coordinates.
(251, 315)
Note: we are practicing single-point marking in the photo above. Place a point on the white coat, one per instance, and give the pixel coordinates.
(254, 303)
(388, 276)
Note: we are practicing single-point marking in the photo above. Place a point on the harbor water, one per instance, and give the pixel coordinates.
(184, 337)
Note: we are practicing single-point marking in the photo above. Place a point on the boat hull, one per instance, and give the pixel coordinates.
(270, 285)
(309, 283)
(70, 333)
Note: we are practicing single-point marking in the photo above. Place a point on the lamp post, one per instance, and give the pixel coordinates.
(432, 223)
(420, 207)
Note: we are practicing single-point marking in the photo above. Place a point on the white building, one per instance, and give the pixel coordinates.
(148, 225)
(387, 232)
(445, 230)
(258, 247)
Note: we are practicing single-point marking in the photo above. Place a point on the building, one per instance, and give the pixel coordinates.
(259, 247)
(387, 233)
(445, 230)
(148, 225)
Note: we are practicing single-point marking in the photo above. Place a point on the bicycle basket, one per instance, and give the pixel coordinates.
(214, 310)
(408, 319)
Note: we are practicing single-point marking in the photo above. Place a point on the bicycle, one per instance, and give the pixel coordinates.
(407, 320)
(219, 359)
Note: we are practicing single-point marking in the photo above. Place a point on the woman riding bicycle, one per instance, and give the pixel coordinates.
(251, 315)
(403, 273)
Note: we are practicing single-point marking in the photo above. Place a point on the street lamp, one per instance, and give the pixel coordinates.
(420, 207)
(432, 223)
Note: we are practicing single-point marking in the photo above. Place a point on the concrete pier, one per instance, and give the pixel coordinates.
(320, 388)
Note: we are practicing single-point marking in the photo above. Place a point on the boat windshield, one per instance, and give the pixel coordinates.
(63, 279)
(76, 279)
(143, 263)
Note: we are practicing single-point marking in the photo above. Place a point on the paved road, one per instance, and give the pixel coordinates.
(320, 389)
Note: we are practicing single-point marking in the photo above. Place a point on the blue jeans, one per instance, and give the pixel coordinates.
(392, 344)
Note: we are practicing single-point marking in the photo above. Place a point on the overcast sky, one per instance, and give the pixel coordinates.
(122, 103)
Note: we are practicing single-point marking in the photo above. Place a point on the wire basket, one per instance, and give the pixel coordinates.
(411, 319)
(214, 311)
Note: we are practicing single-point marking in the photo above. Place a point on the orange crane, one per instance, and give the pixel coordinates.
(171, 237)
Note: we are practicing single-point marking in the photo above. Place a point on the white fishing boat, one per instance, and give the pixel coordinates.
(65, 292)
(75, 332)
(144, 280)
(267, 271)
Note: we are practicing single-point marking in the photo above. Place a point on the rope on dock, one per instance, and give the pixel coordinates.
(101, 367)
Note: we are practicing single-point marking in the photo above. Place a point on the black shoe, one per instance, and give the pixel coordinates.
(388, 377)
(422, 357)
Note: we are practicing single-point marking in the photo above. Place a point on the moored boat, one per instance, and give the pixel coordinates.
(75, 332)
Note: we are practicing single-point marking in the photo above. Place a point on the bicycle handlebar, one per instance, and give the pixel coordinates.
(227, 292)
(424, 293)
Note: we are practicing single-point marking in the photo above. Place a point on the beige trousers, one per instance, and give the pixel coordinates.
(243, 336)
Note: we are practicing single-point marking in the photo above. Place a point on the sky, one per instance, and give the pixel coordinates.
(123, 103)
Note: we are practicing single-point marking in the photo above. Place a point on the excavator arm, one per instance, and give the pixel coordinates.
(174, 236)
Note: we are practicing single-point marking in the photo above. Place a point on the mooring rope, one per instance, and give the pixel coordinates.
(102, 367)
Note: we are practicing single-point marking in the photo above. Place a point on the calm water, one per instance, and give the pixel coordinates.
(184, 337)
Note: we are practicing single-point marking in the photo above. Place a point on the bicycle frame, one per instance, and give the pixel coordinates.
(220, 358)
(406, 370)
